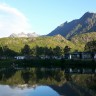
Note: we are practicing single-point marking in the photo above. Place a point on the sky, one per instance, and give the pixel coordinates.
(17, 91)
(40, 16)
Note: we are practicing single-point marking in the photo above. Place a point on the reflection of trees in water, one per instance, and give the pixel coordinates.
(32, 76)
(49, 76)
(6, 74)
(43, 76)
(26, 76)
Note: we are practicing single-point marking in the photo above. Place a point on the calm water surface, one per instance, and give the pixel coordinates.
(6, 90)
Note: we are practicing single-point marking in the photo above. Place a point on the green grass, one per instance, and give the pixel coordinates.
(76, 43)
(17, 44)
(81, 39)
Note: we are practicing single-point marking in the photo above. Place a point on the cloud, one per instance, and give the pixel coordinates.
(12, 21)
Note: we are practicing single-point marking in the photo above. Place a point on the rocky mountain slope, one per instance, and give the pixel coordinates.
(86, 24)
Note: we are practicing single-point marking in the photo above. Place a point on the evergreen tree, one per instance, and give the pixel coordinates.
(26, 50)
(67, 49)
(57, 51)
(90, 46)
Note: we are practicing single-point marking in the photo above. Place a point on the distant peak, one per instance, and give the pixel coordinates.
(87, 23)
(13, 33)
(89, 14)
(22, 34)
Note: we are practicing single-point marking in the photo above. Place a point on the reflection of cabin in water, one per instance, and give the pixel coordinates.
(80, 55)
(80, 71)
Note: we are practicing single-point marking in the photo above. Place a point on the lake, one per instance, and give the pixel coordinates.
(6, 90)
(47, 82)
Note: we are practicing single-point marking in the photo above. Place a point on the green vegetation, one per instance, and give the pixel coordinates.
(85, 80)
(32, 76)
(90, 46)
(81, 39)
(78, 42)
(16, 44)
(46, 76)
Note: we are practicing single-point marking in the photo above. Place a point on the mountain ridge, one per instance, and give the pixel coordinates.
(87, 23)
(22, 34)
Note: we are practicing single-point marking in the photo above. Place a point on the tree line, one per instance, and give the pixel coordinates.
(38, 51)
(44, 51)
(35, 51)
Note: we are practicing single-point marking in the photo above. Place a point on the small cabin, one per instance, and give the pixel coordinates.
(68, 56)
(19, 57)
(80, 55)
(87, 55)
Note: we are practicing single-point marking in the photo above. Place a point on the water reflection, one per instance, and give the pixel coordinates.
(47, 76)
(17, 91)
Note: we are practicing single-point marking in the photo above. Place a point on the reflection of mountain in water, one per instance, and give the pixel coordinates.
(26, 77)
(71, 89)
(38, 91)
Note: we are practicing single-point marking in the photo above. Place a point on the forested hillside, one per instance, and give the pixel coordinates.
(82, 39)
(17, 44)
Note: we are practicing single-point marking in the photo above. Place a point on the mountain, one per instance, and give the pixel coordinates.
(13, 35)
(76, 43)
(22, 34)
(17, 44)
(86, 24)
(32, 34)
(84, 38)
(81, 39)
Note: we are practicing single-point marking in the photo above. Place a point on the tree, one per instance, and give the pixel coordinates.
(1, 51)
(33, 51)
(39, 51)
(57, 51)
(90, 46)
(48, 51)
(67, 49)
(26, 50)
(5, 51)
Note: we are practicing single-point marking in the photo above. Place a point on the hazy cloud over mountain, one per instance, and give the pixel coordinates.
(12, 20)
